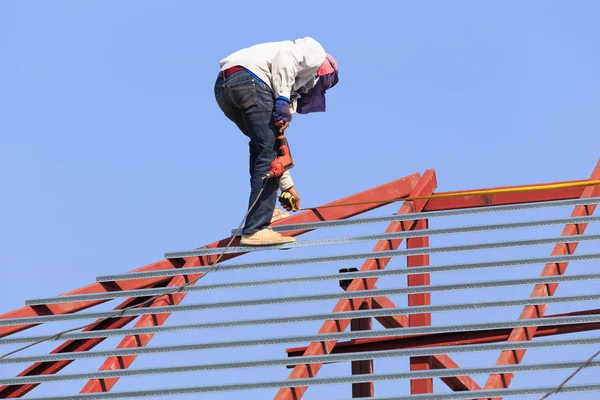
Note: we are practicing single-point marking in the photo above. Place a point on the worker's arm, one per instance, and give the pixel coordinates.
(286, 182)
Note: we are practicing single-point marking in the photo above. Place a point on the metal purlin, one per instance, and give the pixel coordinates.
(579, 319)
(357, 256)
(436, 214)
(387, 236)
(291, 361)
(317, 381)
(305, 298)
(308, 317)
(336, 277)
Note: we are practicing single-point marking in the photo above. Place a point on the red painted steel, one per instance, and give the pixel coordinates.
(53, 367)
(498, 199)
(541, 290)
(419, 386)
(124, 362)
(451, 338)
(363, 389)
(423, 188)
(398, 188)
(393, 321)
(456, 383)
(388, 322)
(68, 308)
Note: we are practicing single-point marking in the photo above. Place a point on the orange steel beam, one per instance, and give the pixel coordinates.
(423, 188)
(498, 199)
(398, 188)
(541, 290)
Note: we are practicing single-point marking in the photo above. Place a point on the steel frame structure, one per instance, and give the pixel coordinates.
(415, 185)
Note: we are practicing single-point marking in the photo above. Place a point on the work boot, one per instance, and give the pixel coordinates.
(265, 237)
(279, 214)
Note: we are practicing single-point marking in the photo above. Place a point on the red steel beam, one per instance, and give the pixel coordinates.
(451, 338)
(398, 188)
(392, 321)
(423, 188)
(124, 362)
(363, 389)
(455, 383)
(53, 367)
(419, 386)
(542, 290)
(498, 199)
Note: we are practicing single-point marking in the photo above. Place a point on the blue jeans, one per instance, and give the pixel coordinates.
(249, 103)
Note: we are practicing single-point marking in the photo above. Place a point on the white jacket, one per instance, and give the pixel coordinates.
(287, 67)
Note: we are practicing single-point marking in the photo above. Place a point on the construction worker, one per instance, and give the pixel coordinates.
(259, 88)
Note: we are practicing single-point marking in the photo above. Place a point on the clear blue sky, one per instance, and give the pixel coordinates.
(113, 150)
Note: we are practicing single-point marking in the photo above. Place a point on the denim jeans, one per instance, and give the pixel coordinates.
(249, 103)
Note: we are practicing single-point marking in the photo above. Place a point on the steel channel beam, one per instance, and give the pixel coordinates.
(336, 336)
(355, 256)
(306, 318)
(495, 393)
(386, 236)
(305, 298)
(318, 381)
(352, 275)
(447, 372)
(485, 197)
(434, 214)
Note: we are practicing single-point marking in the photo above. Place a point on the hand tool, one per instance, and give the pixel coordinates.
(283, 162)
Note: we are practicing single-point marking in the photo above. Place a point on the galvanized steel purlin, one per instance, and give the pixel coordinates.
(354, 256)
(350, 335)
(291, 361)
(336, 277)
(313, 317)
(296, 299)
(435, 214)
(386, 236)
(316, 381)
(493, 393)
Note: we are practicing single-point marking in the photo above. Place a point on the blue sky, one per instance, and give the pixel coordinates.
(113, 149)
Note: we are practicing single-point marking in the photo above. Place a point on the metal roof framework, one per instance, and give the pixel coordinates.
(408, 331)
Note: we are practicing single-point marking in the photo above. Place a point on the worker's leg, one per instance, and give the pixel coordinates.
(254, 101)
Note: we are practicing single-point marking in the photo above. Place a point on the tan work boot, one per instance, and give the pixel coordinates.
(278, 214)
(265, 237)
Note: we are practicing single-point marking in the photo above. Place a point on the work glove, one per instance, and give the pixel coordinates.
(282, 110)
